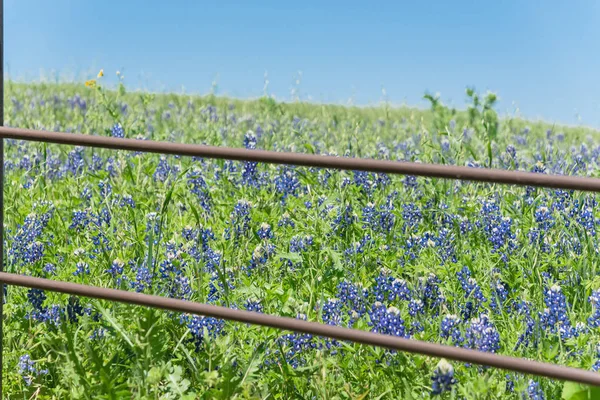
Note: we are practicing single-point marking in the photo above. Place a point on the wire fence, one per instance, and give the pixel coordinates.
(521, 365)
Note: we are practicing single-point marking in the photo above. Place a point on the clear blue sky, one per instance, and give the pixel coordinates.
(542, 56)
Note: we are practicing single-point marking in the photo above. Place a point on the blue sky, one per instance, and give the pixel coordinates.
(540, 56)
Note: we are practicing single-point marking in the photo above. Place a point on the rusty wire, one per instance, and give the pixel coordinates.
(310, 160)
(334, 332)
(382, 166)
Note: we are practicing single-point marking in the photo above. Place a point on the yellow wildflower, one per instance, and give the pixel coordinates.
(91, 83)
(101, 73)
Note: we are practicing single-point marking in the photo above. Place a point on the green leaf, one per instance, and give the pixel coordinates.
(336, 259)
(106, 314)
(310, 148)
(154, 375)
(577, 391)
(295, 257)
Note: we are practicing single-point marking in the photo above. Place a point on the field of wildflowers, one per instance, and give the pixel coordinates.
(503, 269)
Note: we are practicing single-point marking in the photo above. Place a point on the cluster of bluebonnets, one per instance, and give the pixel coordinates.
(508, 270)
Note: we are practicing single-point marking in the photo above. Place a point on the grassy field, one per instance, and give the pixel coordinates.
(510, 270)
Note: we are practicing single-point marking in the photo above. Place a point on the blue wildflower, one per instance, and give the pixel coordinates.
(117, 131)
(443, 378)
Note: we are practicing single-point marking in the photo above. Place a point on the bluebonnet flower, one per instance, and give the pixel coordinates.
(594, 299)
(415, 307)
(86, 194)
(98, 333)
(412, 216)
(81, 268)
(116, 270)
(152, 226)
(74, 309)
(534, 392)
(443, 243)
(510, 150)
(285, 220)
(28, 370)
(254, 305)
(127, 200)
(143, 278)
(77, 101)
(261, 254)
(105, 189)
(539, 168)
(344, 219)
(596, 366)
(410, 181)
(586, 220)
(443, 378)
(89, 311)
(189, 233)
(97, 163)
(499, 296)
(561, 200)
(429, 290)
(212, 260)
(381, 220)
(445, 145)
(80, 220)
(174, 284)
(36, 298)
(49, 268)
(531, 333)
(250, 174)
(359, 247)
(473, 293)
(497, 228)
(117, 131)
(197, 325)
(287, 183)
(75, 161)
(265, 232)
(450, 329)
(220, 283)
(388, 288)
(353, 298)
(240, 218)
(299, 244)
(482, 335)
(102, 218)
(296, 344)
(111, 166)
(544, 218)
(33, 252)
(250, 140)
(387, 321)
(26, 248)
(163, 170)
(464, 225)
(554, 317)
(101, 244)
(53, 314)
(510, 384)
(332, 313)
(368, 181)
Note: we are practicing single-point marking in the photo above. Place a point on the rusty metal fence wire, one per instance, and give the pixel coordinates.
(394, 167)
